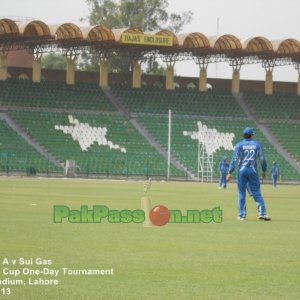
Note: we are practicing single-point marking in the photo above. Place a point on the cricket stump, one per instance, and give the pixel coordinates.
(146, 207)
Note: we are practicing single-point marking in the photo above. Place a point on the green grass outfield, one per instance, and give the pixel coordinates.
(229, 260)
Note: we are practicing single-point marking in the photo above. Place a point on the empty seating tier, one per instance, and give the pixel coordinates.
(53, 94)
(16, 155)
(277, 106)
(99, 144)
(186, 149)
(182, 102)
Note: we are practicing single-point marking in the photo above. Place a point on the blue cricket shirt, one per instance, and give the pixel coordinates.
(247, 152)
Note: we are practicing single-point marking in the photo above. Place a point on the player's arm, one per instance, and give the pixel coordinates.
(233, 161)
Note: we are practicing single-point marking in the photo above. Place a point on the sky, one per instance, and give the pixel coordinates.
(273, 19)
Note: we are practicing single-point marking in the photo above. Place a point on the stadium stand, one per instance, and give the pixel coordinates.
(186, 149)
(287, 133)
(183, 102)
(53, 94)
(139, 158)
(280, 112)
(278, 106)
(19, 156)
(217, 110)
(47, 112)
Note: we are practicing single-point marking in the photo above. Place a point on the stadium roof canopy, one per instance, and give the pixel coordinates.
(8, 27)
(34, 29)
(98, 33)
(36, 33)
(194, 40)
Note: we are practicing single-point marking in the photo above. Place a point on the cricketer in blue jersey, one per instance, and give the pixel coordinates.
(274, 173)
(223, 169)
(246, 153)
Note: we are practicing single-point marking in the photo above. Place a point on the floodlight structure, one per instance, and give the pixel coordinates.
(209, 141)
(205, 139)
(205, 164)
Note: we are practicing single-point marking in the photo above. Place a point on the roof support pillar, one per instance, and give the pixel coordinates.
(71, 59)
(103, 69)
(269, 66)
(235, 88)
(136, 75)
(269, 83)
(236, 64)
(203, 80)
(203, 64)
(170, 78)
(37, 66)
(3, 65)
(170, 61)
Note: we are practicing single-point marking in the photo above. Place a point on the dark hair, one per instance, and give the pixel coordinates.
(248, 136)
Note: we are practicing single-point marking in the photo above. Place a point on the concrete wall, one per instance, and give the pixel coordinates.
(19, 58)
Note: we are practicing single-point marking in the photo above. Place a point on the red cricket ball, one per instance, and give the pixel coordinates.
(159, 215)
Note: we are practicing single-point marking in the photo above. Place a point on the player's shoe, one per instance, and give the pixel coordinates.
(264, 218)
(241, 218)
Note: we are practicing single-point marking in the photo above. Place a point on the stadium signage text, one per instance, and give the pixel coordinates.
(146, 39)
(99, 213)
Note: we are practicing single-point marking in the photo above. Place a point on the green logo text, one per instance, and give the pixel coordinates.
(96, 215)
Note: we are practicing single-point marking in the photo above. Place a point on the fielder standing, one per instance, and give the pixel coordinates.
(223, 169)
(246, 153)
(274, 173)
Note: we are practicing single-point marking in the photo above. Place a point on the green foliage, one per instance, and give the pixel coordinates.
(88, 62)
(53, 61)
(148, 16)
(145, 15)
(178, 21)
(154, 68)
(105, 12)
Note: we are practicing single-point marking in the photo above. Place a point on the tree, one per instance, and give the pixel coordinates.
(53, 61)
(154, 68)
(146, 15)
(104, 12)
